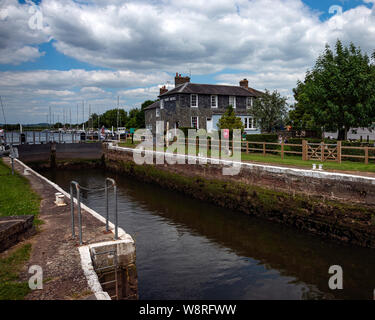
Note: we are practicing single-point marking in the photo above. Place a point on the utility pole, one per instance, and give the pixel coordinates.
(70, 116)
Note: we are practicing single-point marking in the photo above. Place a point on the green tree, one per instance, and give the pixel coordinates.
(339, 92)
(270, 110)
(230, 121)
(300, 118)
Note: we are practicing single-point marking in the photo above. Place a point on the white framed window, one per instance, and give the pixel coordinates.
(249, 102)
(157, 112)
(250, 123)
(194, 101)
(232, 101)
(214, 101)
(161, 104)
(195, 122)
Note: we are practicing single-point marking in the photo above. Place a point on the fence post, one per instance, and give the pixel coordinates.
(322, 152)
(247, 147)
(339, 151)
(282, 150)
(366, 155)
(264, 149)
(304, 158)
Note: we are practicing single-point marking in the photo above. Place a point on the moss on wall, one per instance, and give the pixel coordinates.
(346, 222)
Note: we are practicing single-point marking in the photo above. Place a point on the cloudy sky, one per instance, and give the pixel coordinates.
(59, 53)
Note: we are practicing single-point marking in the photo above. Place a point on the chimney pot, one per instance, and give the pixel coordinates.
(163, 90)
(244, 83)
(178, 80)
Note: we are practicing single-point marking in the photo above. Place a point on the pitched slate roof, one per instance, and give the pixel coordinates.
(155, 105)
(215, 89)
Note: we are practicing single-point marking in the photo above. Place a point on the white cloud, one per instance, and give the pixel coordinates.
(270, 42)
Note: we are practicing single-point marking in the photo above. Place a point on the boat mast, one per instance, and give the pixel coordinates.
(2, 107)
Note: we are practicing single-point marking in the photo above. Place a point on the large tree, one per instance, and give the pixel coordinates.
(270, 110)
(339, 92)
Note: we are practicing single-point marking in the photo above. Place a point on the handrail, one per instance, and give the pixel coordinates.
(77, 187)
(78, 192)
(107, 207)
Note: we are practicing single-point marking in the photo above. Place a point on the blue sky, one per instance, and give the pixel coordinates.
(98, 50)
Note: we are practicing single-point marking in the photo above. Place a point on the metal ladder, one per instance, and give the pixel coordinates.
(108, 267)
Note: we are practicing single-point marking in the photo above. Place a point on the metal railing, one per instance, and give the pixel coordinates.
(75, 185)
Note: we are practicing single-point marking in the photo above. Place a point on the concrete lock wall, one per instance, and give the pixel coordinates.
(118, 256)
(333, 205)
(63, 151)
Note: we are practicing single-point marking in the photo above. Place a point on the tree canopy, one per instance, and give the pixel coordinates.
(135, 118)
(338, 93)
(230, 121)
(270, 110)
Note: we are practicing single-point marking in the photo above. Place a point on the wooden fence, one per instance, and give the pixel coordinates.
(309, 151)
(321, 152)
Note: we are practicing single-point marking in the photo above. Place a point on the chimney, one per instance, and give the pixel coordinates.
(244, 83)
(163, 90)
(178, 80)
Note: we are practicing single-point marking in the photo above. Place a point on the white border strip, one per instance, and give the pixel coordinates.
(273, 169)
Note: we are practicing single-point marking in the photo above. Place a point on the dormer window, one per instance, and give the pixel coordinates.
(157, 112)
(214, 101)
(232, 101)
(194, 101)
(161, 104)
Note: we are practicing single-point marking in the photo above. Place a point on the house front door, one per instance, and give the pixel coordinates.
(209, 125)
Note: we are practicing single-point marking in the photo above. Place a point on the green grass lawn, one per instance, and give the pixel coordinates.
(297, 161)
(16, 196)
(10, 267)
(292, 160)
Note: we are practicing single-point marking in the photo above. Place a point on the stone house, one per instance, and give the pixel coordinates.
(200, 106)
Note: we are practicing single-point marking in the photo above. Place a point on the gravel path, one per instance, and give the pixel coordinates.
(54, 249)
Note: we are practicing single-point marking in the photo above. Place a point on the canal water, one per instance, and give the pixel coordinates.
(189, 249)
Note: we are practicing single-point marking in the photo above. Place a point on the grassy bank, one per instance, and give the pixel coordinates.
(10, 267)
(298, 162)
(291, 160)
(16, 196)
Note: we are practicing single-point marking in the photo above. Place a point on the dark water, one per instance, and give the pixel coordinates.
(188, 249)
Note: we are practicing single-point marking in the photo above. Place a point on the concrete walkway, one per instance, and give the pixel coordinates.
(54, 249)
